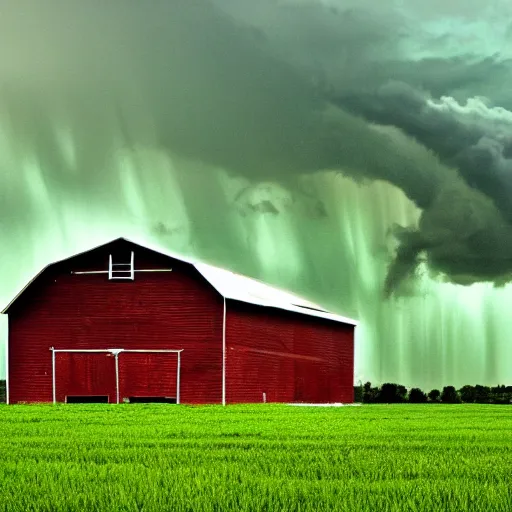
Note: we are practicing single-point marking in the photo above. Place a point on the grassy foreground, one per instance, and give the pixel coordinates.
(264, 457)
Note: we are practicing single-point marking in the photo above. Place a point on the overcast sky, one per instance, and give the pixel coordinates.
(195, 122)
(415, 96)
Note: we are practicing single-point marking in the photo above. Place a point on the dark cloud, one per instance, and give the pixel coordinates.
(474, 137)
(295, 89)
(440, 82)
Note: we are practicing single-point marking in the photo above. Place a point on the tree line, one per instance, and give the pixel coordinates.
(390, 393)
(396, 394)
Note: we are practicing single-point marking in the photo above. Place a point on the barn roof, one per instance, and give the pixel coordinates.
(228, 284)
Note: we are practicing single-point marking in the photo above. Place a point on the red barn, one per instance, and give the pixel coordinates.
(125, 323)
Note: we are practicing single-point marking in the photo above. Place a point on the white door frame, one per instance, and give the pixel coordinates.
(115, 352)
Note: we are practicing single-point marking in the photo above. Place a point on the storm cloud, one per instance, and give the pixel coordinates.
(270, 91)
(437, 74)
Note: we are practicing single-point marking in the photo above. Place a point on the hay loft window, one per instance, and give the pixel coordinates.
(121, 270)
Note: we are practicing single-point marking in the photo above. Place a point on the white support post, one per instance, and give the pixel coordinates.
(116, 355)
(110, 266)
(54, 390)
(132, 266)
(7, 400)
(115, 352)
(178, 379)
(224, 354)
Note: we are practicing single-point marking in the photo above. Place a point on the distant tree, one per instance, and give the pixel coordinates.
(467, 394)
(501, 395)
(416, 396)
(358, 394)
(370, 393)
(433, 396)
(392, 393)
(449, 395)
(482, 394)
(395, 393)
(506, 398)
(402, 393)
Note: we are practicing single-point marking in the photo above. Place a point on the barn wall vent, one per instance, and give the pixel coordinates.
(87, 399)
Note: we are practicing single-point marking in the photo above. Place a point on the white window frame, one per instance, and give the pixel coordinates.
(124, 276)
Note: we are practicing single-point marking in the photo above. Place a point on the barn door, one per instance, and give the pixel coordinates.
(148, 376)
(116, 375)
(85, 377)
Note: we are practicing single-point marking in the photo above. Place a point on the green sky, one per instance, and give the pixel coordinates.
(359, 153)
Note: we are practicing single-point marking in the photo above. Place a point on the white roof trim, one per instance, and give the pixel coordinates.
(245, 289)
(230, 285)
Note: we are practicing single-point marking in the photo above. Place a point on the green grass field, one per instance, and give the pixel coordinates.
(264, 457)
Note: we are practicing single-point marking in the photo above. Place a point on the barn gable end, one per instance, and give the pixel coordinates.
(66, 307)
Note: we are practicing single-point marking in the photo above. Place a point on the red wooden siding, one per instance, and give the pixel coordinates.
(288, 356)
(79, 374)
(158, 310)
